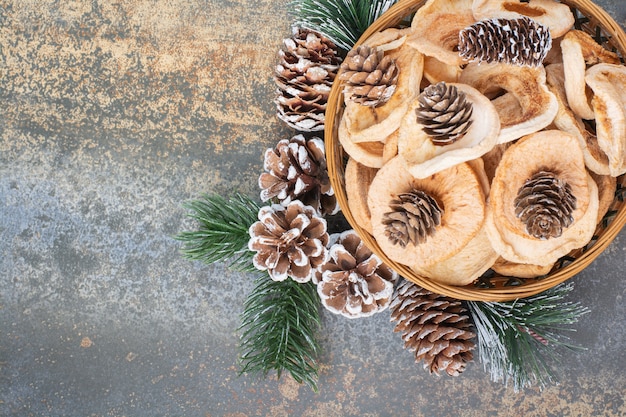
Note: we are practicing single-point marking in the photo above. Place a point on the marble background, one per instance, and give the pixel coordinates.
(112, 113)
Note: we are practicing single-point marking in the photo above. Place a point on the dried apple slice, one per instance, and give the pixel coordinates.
(436, 26)
(580, 51)
(358, 179)
(519, 94)
(556, 16)
(608, 82)
(424, 156)
(535, 218)
(457, 193)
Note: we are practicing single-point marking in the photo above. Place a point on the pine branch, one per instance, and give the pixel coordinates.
(222, 233)
(342, 21)
(516, 339)
(279, 326)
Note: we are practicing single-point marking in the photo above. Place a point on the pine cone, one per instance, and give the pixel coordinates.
(370, 76)
(545, 205)
(290, 241)
(308, 63)
(413, 218)
(444, 112)
(354, 282)
(296, 170)
(522, 41)
(436, 327)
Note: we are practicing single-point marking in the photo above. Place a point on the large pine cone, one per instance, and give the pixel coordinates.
(290, 241)
(308, 63)
(545, 205)
(413, 218)
(354, 282)
(445, 113)
(296, 170)
(436, 327)
(522, 41)
(370, 76)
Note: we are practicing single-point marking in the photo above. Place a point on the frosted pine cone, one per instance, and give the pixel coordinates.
(522, 41)
(354, 282)
(308, 63)
(296, 170)
(290, 241)
(437, 328)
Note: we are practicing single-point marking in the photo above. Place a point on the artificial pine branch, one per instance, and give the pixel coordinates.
(342, 21)
(222, 233)
(516, 338)
(279, 326)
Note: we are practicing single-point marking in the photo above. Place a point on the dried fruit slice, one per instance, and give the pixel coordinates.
(436, 71)
(556, 16)
(465, 266)
(580, 51)
(424, 157)
(436, 26)
(358, 179)
(542, 151)
(513, 269)
(371, 124)
(608, 82)
(606, 193)
(366, 153)
(458, 192)
(519, 94)
(565, 120)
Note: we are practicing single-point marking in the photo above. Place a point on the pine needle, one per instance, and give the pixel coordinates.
(222, 234)
(516, 339)
(279, 326)
(342, 21)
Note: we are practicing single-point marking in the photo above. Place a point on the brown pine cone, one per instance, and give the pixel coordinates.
(522, 41)
(444, 112)
(545, 204)
(296, 170)
(308, 63)
(370, 76)
(413, 218)
(289, 241)
(354, 282)
(437, 328)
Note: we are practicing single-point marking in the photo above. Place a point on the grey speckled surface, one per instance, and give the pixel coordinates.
(114, 113)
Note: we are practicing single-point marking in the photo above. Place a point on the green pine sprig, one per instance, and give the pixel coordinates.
(516, 339)
(279, 326)
(342, 21)
(222, 234)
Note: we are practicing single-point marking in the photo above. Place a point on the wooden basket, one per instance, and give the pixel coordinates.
(491, 286)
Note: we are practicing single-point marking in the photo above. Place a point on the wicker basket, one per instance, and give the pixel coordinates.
(491, 286)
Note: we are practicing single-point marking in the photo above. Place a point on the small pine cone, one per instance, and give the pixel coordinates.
(354, 282)
(523, 41)
(445, 113)
(289, 241)
(370, 76)
(296, 170)
(413, 218)
(308, 63)
(437, 328)
(545, 204)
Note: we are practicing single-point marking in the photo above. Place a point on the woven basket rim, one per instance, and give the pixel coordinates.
(336, 166)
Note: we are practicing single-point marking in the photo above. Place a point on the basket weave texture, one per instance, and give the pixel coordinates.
(491, 286)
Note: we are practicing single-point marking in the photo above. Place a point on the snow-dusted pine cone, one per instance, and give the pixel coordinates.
(296, 170)
(437, 328)
(289, 241)
(354, 282)
(522, 41)
(308, 63)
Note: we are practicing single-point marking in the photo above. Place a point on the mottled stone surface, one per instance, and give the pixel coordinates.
(114, 113)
